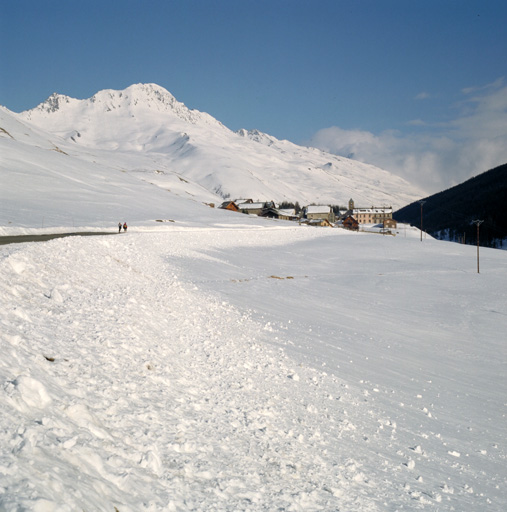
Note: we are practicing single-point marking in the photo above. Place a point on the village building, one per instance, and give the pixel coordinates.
(390, 224)
(373, 215)
(316, 212)
(275, 213)
(288, 214)
(251, 208)
(316, 222)
(319, 222)
(229, 205)
(255, 208)
(350, 223)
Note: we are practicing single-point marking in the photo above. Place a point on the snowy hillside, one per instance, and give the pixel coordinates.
(44, 185)
(145, 129)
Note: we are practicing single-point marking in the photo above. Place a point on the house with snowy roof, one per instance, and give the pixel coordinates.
(277, 213)
(255, 208)
(322, 212)
(251, 208)
(229, 205)
(350, 223)
(373, 215)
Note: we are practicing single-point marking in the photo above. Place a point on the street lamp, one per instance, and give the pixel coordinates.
(421, 203)
(477, 223)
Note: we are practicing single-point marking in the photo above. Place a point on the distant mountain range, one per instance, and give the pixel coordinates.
(145, 132)
(449, 215)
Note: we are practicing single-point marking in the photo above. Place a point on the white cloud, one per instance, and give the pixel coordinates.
(416, 122)
(498, 83)
(442, 155)
(422, 96)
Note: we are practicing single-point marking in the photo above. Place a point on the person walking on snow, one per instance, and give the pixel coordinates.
(119, 227)
(124, 226)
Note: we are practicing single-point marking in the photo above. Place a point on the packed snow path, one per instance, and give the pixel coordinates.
(129, 384)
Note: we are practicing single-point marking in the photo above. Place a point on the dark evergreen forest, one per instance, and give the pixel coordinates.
(450, 214)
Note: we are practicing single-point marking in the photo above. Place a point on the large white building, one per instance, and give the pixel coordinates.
(373, 215)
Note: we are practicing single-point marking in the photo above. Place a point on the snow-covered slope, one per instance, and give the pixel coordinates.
(145, 128)
(46, 185)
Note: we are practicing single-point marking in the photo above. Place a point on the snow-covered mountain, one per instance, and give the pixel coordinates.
(45, 186)
(146, 132)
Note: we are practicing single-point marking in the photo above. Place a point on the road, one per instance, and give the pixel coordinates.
(4, 240)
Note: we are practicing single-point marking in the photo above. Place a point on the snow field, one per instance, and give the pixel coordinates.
(238, 369)
(414, 332)
(126, 387)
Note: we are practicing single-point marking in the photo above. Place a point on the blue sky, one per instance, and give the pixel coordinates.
(418, 87)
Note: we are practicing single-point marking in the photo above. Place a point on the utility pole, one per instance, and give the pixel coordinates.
(421, 203)
(477, 223)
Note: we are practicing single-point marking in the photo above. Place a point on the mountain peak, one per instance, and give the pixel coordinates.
(143, 95)
(129, 102)
(53, 103)
(257, 136)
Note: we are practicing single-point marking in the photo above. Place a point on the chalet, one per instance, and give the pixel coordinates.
(251, 208)
(288, 214)
(229, 205)
(314, 212)
(350, 223)
(270, 213)
(275, 213)
(256, 208)
(390, 224)
(316, 222)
